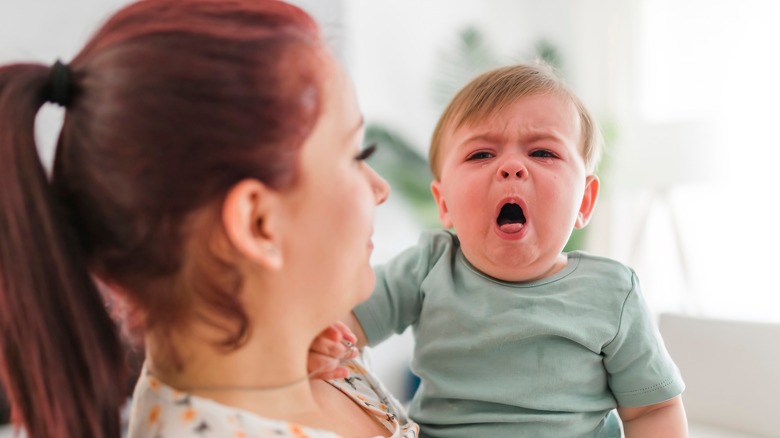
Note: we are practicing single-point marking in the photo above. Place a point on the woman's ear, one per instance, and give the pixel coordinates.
(249, 218)
(588, 201)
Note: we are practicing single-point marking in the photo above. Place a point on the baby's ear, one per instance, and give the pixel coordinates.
(444, 215)
(588, 201)
(249, 215)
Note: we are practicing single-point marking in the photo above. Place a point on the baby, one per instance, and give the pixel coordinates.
(513, 337)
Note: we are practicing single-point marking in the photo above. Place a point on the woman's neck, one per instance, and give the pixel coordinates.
(266, 375)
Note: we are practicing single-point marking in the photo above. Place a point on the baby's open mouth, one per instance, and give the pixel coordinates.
(511, 218)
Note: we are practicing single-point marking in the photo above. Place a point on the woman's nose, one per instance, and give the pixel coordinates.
(380, 186)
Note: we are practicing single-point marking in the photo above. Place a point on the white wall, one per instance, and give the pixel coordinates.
(43, 32)
(716, 61)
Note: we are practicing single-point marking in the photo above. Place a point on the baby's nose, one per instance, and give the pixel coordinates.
(511, 168)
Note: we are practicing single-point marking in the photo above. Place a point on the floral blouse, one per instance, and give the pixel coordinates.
(159, 411)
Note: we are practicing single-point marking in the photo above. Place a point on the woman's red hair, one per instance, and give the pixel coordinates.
(172, 103)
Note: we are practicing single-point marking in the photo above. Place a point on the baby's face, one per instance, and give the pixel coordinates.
(515, 185)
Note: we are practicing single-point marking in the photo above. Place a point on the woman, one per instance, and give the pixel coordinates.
(209, 177)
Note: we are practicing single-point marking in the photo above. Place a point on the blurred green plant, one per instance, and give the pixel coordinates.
(457, 65)
(405, 169)
(545, 51)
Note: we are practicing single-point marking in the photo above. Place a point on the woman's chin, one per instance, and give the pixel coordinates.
(367, 289)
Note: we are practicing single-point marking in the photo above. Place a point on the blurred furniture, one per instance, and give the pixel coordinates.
(660, 158)
(732, 374)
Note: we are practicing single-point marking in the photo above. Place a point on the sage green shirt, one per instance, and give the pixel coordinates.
(547, 358)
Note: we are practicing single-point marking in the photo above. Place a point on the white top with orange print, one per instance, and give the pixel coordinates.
(159, 411)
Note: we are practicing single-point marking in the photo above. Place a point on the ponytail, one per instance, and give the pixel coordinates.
(61, 360)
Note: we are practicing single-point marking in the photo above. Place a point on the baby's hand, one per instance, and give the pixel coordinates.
(329, 348)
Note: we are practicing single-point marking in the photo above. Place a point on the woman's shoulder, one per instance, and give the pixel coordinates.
(161, 411)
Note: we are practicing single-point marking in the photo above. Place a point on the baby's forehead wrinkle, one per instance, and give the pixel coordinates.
(534, 135)
(493, 133)
(486, 136)
(482, 111)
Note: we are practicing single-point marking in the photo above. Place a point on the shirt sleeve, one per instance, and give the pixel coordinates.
(641, 372)
(397, 298)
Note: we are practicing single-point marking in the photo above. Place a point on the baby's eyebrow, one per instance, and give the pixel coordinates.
(485, 137)
(538, 136)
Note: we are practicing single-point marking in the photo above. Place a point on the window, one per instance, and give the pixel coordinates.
(716, 61)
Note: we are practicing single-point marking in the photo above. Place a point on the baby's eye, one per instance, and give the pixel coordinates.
(542, 153)
(480, 155)
(366, 152)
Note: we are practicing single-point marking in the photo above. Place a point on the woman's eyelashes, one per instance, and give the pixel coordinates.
(366, 152)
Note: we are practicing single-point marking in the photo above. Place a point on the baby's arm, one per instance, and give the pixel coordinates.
(666, 419)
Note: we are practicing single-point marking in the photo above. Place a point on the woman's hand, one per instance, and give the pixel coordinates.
(329, 348)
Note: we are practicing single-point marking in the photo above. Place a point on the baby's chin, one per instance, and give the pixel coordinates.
(513, 265)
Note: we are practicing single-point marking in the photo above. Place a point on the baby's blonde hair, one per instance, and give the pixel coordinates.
(493, 91)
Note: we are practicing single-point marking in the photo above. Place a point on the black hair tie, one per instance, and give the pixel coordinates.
(60, 87)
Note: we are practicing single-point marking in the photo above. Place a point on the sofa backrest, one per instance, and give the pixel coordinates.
(731, 371)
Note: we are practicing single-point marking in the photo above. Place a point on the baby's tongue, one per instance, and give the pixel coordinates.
(511, 228)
